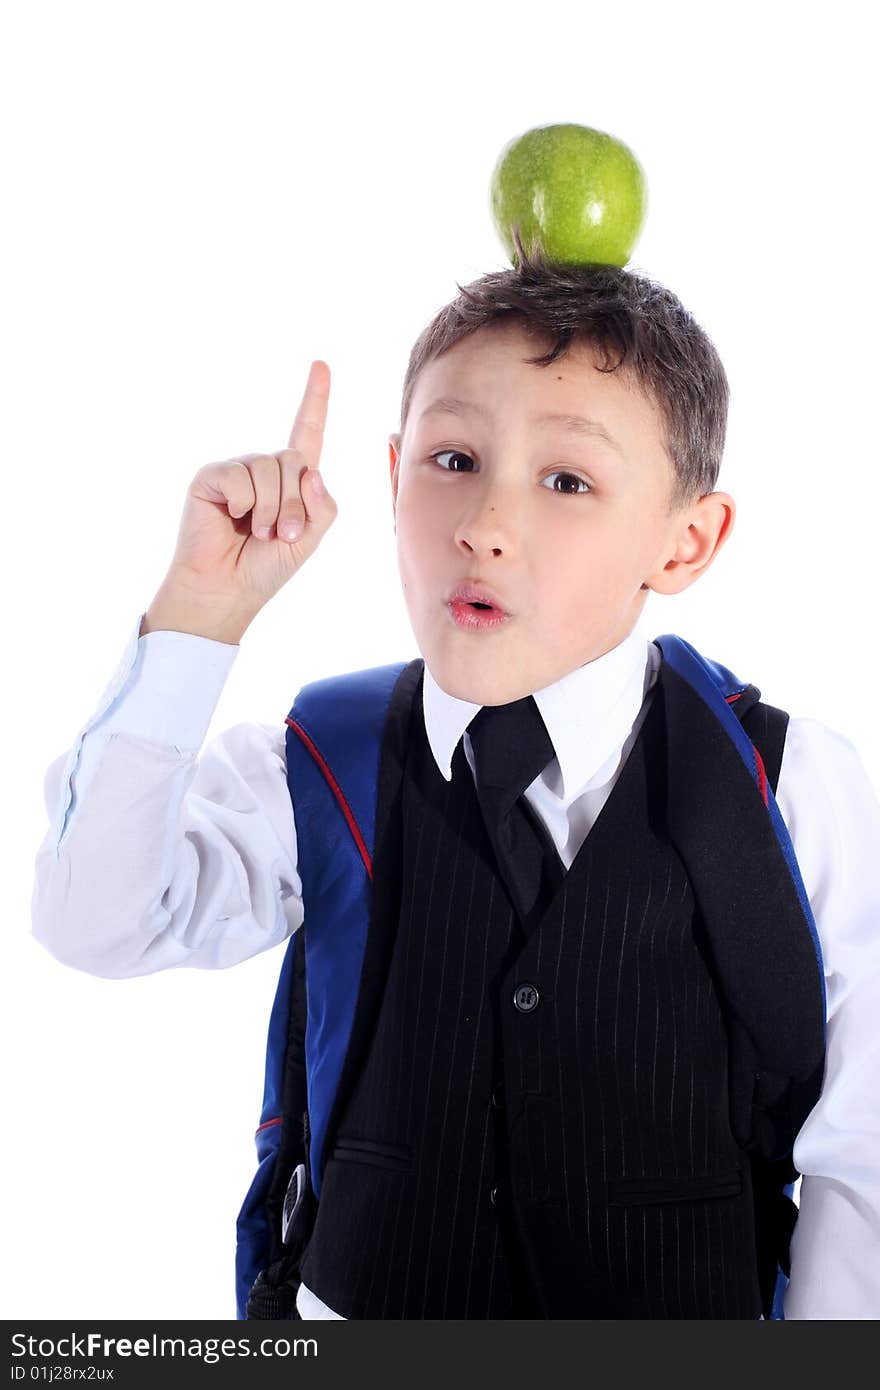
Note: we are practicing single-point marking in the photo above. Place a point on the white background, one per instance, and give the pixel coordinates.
(200, 198)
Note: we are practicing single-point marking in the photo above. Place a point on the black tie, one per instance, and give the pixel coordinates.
(511, 747)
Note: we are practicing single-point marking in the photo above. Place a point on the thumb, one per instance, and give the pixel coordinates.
(315, 483)
(318, 509)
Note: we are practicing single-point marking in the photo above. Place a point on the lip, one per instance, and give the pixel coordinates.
(475, 592)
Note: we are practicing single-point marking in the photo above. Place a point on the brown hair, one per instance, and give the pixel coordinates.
(664, 350)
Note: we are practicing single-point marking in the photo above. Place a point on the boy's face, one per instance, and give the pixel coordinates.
(504, 508)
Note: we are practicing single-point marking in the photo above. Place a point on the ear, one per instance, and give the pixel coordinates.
(394, 441)
(698, 533)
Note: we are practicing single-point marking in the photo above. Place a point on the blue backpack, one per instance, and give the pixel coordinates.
(334, 740)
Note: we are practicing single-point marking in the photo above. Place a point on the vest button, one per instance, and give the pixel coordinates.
(496, 1099)
(493, 1196)
(525, 997)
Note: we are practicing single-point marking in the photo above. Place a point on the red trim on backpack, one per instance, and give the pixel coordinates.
(337, 792)
(759, 761)
(762, 775)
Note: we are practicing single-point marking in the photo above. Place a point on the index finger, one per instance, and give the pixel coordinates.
(307, 435)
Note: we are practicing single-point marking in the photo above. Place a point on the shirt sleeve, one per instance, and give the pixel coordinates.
(158, 855)
(833, 816)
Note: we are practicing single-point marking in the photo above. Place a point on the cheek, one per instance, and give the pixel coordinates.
(411, 540)
(583, 580)
(411, 505)
(406, 516)
(423, 523)
(416, 551)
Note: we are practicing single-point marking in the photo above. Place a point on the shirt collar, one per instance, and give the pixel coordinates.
(588, 712)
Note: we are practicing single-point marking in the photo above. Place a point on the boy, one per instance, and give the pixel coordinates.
(558, 488)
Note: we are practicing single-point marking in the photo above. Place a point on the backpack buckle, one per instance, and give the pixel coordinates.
(293, 1200)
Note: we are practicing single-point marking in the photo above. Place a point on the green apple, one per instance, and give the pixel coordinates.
(577, 192)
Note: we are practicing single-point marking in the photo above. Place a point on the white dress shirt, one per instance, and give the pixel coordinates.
(161, 853)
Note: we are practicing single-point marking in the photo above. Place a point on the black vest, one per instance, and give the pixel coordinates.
(559, 1106)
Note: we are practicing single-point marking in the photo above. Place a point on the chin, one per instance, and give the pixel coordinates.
(487, 692)
(463, 688)
(458, 673)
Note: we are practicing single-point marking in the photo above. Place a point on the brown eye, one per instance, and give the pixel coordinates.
(455, 453)
(573, 477)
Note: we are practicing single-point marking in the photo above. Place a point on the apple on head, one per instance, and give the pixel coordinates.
(579, 193)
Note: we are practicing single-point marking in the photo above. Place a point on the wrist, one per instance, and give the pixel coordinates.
(175, 610)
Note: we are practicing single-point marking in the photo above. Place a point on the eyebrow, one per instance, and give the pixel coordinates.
(575, 424)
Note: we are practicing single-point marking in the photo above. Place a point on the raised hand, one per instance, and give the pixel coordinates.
(234, 551)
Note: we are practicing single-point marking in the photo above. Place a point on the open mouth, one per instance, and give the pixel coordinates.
(476, 614)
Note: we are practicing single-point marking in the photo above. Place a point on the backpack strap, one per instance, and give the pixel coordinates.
(746, 882)
(775, 1104)
(332, 774)
(334, 743)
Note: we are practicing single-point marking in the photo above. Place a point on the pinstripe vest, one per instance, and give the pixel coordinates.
(569, 1099)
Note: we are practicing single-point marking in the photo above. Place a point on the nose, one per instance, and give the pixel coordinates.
(492, 522)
